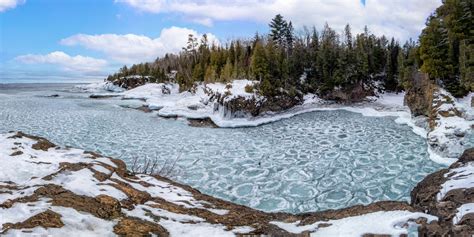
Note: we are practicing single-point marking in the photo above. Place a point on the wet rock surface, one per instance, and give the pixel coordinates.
(207, 123)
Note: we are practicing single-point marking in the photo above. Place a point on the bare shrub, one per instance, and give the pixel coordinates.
(151, 166)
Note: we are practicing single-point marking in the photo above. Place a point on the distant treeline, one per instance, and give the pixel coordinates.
(319, 61)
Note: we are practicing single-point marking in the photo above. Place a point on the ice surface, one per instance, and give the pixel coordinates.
(314, 161)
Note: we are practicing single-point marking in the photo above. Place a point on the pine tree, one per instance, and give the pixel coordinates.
(289, 37)
(279, 30)
(259, 62)
(210, 75)
(226, 74)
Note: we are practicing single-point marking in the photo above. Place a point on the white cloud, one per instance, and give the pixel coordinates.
(9, 4)
(132, 48)
(400, 18)
(69, 63)
(204, 21)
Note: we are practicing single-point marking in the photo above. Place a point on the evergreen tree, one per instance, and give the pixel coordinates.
(259, 62)
(279, 30)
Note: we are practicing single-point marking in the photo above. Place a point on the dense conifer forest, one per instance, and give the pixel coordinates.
(318, 61)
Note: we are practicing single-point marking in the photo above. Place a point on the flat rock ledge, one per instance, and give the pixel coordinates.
(49, 190)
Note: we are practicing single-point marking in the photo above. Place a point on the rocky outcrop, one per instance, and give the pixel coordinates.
(349, 94)
(241, 107)
(72, 191)
(419, 95)
(131, 82)
(100, 96)
(438, 196)
(449, 125)
(447, 122)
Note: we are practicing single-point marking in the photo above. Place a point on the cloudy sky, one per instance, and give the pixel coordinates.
(83, 40)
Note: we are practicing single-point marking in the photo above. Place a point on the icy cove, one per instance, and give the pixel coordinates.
(311, 162)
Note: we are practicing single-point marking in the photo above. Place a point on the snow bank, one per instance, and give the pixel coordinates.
(392, 223)
(99, 87)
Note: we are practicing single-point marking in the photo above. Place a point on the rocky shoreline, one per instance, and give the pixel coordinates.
(45, 189)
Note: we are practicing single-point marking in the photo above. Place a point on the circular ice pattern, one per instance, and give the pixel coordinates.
(311, 162)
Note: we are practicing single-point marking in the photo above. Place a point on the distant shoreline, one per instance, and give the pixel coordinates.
(33, 84)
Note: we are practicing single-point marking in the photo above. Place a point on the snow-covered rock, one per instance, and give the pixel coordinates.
(451, 123)
(449, 193)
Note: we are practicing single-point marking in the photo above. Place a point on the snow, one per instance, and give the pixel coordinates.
(295, 228)
(165, 191)
(98, 87)
(79, 223)
(390, 222)
(101, 169)
(463, 210)
(458, 178)
(393, 99)
(466, 102)
(178, 224)
(22, 211)
(82, 182)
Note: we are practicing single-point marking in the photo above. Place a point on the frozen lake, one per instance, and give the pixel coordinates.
(311, 162)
